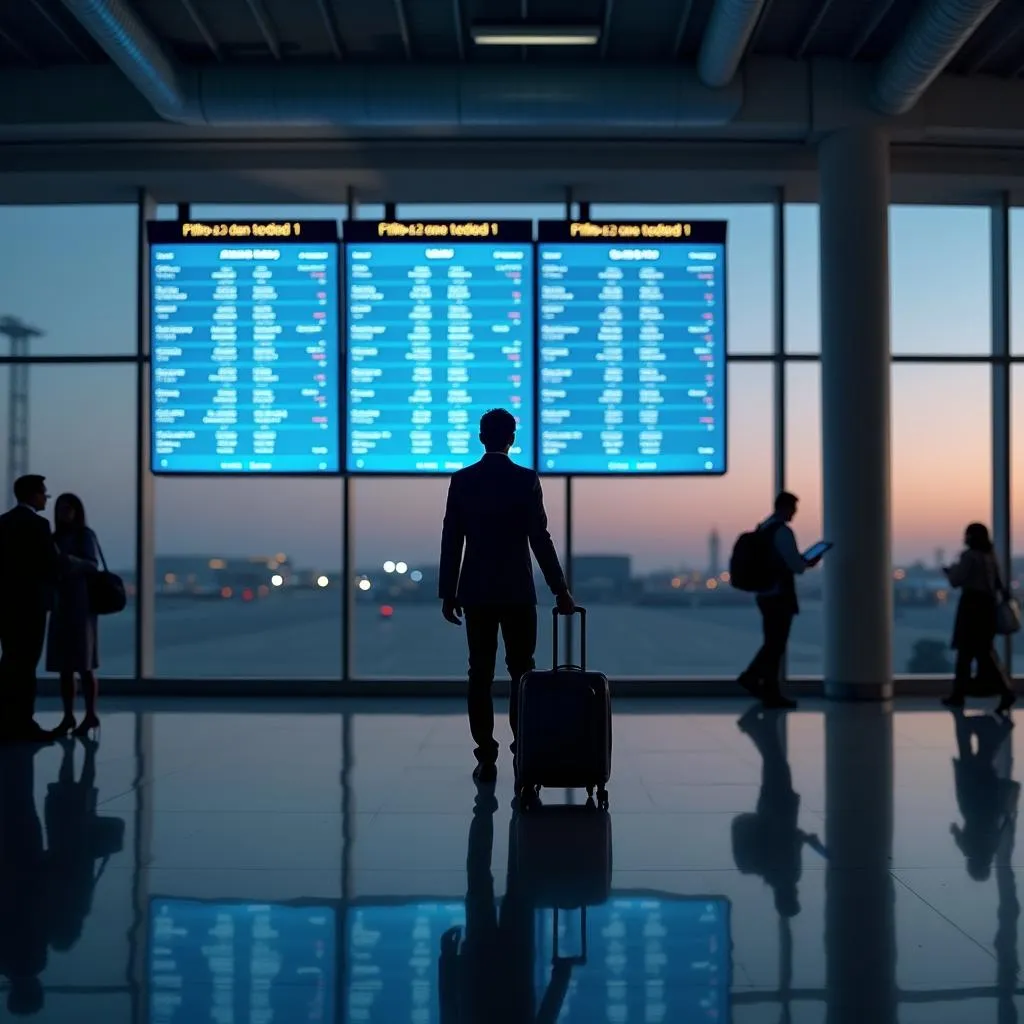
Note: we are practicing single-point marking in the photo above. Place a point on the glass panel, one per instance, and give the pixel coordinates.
(81, 437)
(1017, 496)
(483, 211)
(271, 211)
(68, 275)
(803, 279)
(398, 631)
(804, 479)
(248, 578)
(661, 607)
(941, 279)
(751, 261)
(941, 481)
(1017, 282)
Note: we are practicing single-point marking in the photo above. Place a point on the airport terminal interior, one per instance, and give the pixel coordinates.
(264, 264)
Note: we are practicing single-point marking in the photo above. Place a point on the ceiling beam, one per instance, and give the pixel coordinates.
(812, 28)
(60, 30)
(19, 48)
(323, 6)
(759, 27)
(262, 19)
(684, 20)
(725, 41)
(606, 30)
(1001, 41)
(203, 29)
(403, 28)
(869, 28)
(460, 41)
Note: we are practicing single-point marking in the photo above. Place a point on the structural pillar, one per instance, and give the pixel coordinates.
(855, 414)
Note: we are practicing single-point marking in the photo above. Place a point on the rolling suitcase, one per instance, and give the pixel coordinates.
(565, 726)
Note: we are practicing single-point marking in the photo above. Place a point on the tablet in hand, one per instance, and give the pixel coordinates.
(817, 550)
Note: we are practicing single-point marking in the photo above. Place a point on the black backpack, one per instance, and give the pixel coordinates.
(754, 566)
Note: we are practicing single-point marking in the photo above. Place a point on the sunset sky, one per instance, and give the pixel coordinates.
(71, 272)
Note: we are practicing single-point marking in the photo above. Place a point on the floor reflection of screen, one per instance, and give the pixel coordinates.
(235, 963)
(650, 958)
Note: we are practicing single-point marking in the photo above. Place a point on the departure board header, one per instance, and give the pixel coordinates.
(451, 230)
(710, 231)
(162, 232)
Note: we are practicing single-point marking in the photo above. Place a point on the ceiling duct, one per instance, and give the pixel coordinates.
(730, 26)
(428, 96)
(932, 39)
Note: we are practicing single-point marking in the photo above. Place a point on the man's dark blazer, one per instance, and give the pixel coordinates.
(496, 512)
(28, 563)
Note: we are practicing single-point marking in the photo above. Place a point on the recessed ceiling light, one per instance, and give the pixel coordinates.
(535, 35)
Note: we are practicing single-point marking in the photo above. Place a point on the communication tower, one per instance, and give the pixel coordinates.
(18, 333)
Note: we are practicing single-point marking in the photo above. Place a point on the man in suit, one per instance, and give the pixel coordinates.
(495, 514)
(28, 572)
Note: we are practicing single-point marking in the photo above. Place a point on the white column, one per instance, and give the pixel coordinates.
(854, 166)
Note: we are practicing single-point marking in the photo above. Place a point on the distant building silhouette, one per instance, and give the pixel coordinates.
(714, 555)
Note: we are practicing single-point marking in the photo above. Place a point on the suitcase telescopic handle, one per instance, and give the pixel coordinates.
(582, 612)
(572, 961)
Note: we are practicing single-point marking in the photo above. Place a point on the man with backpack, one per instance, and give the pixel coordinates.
(766, 562)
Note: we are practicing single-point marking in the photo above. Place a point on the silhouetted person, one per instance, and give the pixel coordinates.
(778, 604)
(28, 571)
(769, 842)
(987, 799)
(494, 517)
(23, 883)
(976, 574)
(491, 981)
(72, 643)
(76, 837)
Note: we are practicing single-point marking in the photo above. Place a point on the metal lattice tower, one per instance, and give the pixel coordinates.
(18, 333)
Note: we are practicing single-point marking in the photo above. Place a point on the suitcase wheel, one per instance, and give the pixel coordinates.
(602, 798)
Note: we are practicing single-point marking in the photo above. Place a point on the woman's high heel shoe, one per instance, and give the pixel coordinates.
(66, 727)
(89, 725)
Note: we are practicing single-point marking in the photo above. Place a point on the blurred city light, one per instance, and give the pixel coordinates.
(401, 567)
(386, 611)
(389, 566)
(322, 581)
(277, 580)
(416, 576)
(365, 584)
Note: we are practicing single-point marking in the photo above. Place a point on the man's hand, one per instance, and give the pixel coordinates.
(452, 612)
(812, 562)
(564, 603)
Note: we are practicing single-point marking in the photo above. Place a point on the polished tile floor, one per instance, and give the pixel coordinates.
(266, 863)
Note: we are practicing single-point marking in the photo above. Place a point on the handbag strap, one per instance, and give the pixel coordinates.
(1001, 590)
(103, 559)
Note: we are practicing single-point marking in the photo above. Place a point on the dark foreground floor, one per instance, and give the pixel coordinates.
(260, 863)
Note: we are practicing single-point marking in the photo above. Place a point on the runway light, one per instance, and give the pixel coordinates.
(263, 590)
(365, 584)
(226, 591)
(389, 566)
(416, 576)
(322, 581)
(277, 580)
(724, 577)
(401, 567)
(170, 578)
(247, 594)
(712, 584)
(899, 574)
(386, 611)
(676, 583)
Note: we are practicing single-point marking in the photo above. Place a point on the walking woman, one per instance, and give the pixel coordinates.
(977, 576)
(71, 645)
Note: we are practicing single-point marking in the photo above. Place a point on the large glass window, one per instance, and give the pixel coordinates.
(803, 279)
(68, 276)
(751, 262)
(1017, 282)
(398, 630)
(804, 479)
(651, 556)
(81, 437)
(1017, 496)
(248, 578)
(941, 279)
(941, 481)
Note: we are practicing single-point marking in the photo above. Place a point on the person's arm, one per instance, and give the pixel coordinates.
(89, 560)
(453, 539)
(957, 572)
(785, 545)
(49, 557)
(542, 544)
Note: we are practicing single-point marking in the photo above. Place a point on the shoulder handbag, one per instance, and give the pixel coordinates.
(1007, 610)
(107, 595)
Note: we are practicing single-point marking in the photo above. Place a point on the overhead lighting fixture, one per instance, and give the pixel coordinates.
(536, 35)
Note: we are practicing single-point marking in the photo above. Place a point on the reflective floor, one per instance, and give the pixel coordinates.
(265, 863)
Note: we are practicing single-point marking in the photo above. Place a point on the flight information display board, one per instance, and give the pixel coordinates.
(241, 962)
(650, 958)
(632, 347)
(244, 320)
(439, 329)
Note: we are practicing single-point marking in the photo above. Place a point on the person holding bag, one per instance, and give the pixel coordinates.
(72, 643)
(984, 610)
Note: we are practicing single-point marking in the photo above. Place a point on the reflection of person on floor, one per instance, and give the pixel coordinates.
(987, 801)
(490, 980)
(768, 842)
(22, 883)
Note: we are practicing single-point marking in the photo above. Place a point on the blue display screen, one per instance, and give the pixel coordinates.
(241, 962)
(632, 348)
(244, 347)
(439, 330)
(649, 958)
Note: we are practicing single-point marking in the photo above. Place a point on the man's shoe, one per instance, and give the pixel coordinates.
(776, 700)
(485, 773)
(750, 683)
